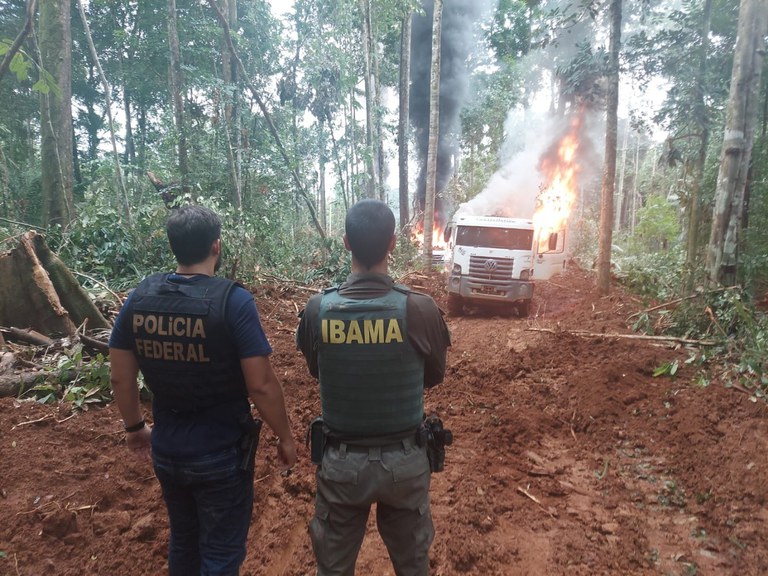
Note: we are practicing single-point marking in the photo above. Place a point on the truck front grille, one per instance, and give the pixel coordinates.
(493, 270)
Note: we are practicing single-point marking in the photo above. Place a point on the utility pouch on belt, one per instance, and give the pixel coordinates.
(249, 442)
(316, 440)
(435, 437)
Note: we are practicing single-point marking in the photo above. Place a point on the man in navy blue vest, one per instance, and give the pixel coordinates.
(198, 341)
(374, 346)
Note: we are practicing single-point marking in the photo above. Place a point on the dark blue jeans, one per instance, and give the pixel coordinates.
(209, 501)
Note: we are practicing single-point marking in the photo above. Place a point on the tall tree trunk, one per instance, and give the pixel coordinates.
(402, 128)
(619, 212)
(108, 104)
(298, 181)
(177, 86)
(353, 150)
(322, 203)
(130, 145)
(56, 112)
(378, 134)
(701, 119)
(141, 123)
(633, 215)
(231, 111)
(340, 168)
(741, 119)
(370, 153)
(5, 185)
(609, 169)
(434, 127)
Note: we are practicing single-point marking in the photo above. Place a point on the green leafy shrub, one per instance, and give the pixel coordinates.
(657, 227)
(76, 379)
(100, 242)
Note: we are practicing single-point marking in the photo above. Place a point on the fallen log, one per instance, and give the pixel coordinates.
(28, 336)
(15, 384)
(94, 343)
(6, 361)
(585, 334)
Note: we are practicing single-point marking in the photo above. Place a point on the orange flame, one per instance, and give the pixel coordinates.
(438, 242)
(558, 192)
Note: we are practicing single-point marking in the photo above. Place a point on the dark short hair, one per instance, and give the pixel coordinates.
(370, 225)
(191, 231)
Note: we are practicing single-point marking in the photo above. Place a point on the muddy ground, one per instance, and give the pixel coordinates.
(569, 458)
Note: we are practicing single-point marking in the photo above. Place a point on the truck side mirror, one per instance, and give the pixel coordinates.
(447, 234)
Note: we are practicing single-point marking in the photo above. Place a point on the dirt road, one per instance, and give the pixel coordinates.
(569, 458)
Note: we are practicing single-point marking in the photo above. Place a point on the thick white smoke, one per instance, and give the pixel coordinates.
(512, 191)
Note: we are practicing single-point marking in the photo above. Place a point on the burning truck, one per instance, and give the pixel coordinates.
(496, 259)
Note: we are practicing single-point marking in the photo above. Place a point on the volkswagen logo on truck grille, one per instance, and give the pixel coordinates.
(490, 265)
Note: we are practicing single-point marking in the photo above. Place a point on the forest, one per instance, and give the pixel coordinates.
(617, 429)
(282, 115)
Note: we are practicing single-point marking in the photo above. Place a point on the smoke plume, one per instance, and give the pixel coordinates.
(458, 19)
(513, 190)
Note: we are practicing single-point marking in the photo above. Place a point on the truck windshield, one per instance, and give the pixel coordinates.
(507, 238)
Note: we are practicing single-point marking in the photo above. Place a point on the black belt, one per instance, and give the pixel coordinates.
(365, 448)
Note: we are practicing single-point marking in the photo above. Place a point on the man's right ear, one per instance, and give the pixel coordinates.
(346, 243)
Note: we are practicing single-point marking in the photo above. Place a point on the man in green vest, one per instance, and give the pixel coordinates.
(374, 346)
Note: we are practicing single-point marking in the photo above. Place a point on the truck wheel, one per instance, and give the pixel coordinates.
(455, 305)
(524, 308)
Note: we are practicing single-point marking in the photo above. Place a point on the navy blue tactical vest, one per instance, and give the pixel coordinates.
(184, 347)
(371, 377)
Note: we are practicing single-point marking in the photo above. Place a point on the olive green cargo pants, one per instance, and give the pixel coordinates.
(396, 477)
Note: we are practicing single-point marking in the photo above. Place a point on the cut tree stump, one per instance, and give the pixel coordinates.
(38, 291)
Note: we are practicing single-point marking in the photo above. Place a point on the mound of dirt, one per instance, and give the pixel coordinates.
(569, 458)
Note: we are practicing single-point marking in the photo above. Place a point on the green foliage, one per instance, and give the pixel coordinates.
(582, 77)
(100, 243)
(76, 379)
(657, 228)
(21, 64)
(333, 263)
(652, 275)
(510, 33)
(670, 46)
(666, 369)
(737, 333)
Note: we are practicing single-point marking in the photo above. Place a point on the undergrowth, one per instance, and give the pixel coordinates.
(732, 334)
(106, 252)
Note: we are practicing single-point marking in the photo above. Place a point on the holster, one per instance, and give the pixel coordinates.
(316, 440)
(249, 442)
(432, 435)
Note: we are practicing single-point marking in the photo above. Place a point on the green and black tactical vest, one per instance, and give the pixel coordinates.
(371, 377)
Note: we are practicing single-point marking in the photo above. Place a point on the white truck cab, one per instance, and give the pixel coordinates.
(494, 260)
